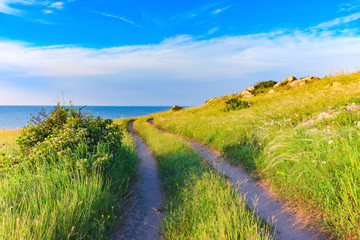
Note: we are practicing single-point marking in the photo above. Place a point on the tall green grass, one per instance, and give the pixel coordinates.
(8, 137)
(200, 204)
(52, 200)
(314, 165)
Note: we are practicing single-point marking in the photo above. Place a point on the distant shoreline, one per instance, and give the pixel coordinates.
(17, 116)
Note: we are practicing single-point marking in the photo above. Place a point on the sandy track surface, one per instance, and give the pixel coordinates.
(143, 219)
(288, 225)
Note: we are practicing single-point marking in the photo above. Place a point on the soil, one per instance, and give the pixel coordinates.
(288, 224)
(143, 218)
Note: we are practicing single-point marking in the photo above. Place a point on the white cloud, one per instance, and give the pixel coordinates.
(184, 60)
(57, 5)
(7, 9)
(338, 21)
(187, 58)
(349, 6)
(9, 6)
(47, 11)
(117, 17)
(217, 11)
(213, 30)
(195, 12)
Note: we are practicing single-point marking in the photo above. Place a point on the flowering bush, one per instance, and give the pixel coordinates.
(66, 134)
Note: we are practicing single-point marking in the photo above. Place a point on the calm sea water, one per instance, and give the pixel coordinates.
(12, 117)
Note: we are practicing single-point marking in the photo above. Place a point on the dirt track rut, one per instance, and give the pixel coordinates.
(288, 225)
(143, 219)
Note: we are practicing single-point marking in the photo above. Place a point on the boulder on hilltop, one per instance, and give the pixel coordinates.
(176, 108)
(285, 81)
(293, 81)
(246, 94)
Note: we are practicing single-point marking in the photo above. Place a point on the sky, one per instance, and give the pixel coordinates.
(161, 53)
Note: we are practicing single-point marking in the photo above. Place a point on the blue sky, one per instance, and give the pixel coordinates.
(167, 52)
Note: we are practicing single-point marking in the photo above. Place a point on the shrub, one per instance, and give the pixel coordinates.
(69, 135)
(235, 104)
(261, 87)
(69, 178)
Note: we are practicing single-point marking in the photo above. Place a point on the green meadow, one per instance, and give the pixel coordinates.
(303, 141)
(67, 176)
(200, 204)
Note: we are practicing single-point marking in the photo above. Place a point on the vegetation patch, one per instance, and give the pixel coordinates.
(235, 104)
(200, 204)
(262, 87)
(315, 166)
(67, 180)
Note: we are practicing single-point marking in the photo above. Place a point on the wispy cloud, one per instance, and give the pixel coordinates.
(220, 10)
(188, 58)
(116, 17)
(213, 30)
(57, 5)
(349, 6)
(180, 61)
(11, 6)
(47, 11)
(7, 8)
(338, 21)
(195, 12)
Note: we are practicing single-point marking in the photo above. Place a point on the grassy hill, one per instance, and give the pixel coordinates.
(67, 178)
(304, 140)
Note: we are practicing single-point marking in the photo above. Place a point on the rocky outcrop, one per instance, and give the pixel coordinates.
(279, 84)
(288, 80)
(293, 82)
(271, 91)
(176, 108)
(296, 83)
(251, 88)
(285, 81)
(246, 94)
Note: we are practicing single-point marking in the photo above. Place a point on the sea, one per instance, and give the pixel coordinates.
(12, 117)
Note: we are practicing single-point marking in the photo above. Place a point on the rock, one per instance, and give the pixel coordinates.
(279, 84)
(285, 81)
(271, 91)
(301, 81)
(176, 108)
(295, 83)
(251, 88)
(288, 80)
(308, 79)
(246, 94)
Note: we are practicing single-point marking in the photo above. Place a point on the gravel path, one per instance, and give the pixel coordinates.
(288, 225)
(143, 219)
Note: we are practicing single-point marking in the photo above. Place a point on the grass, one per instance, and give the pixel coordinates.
(8, 137)
(200, 204)
(310, 162)
(53, 201)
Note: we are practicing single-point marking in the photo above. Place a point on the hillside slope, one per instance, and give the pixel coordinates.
(302, 138)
